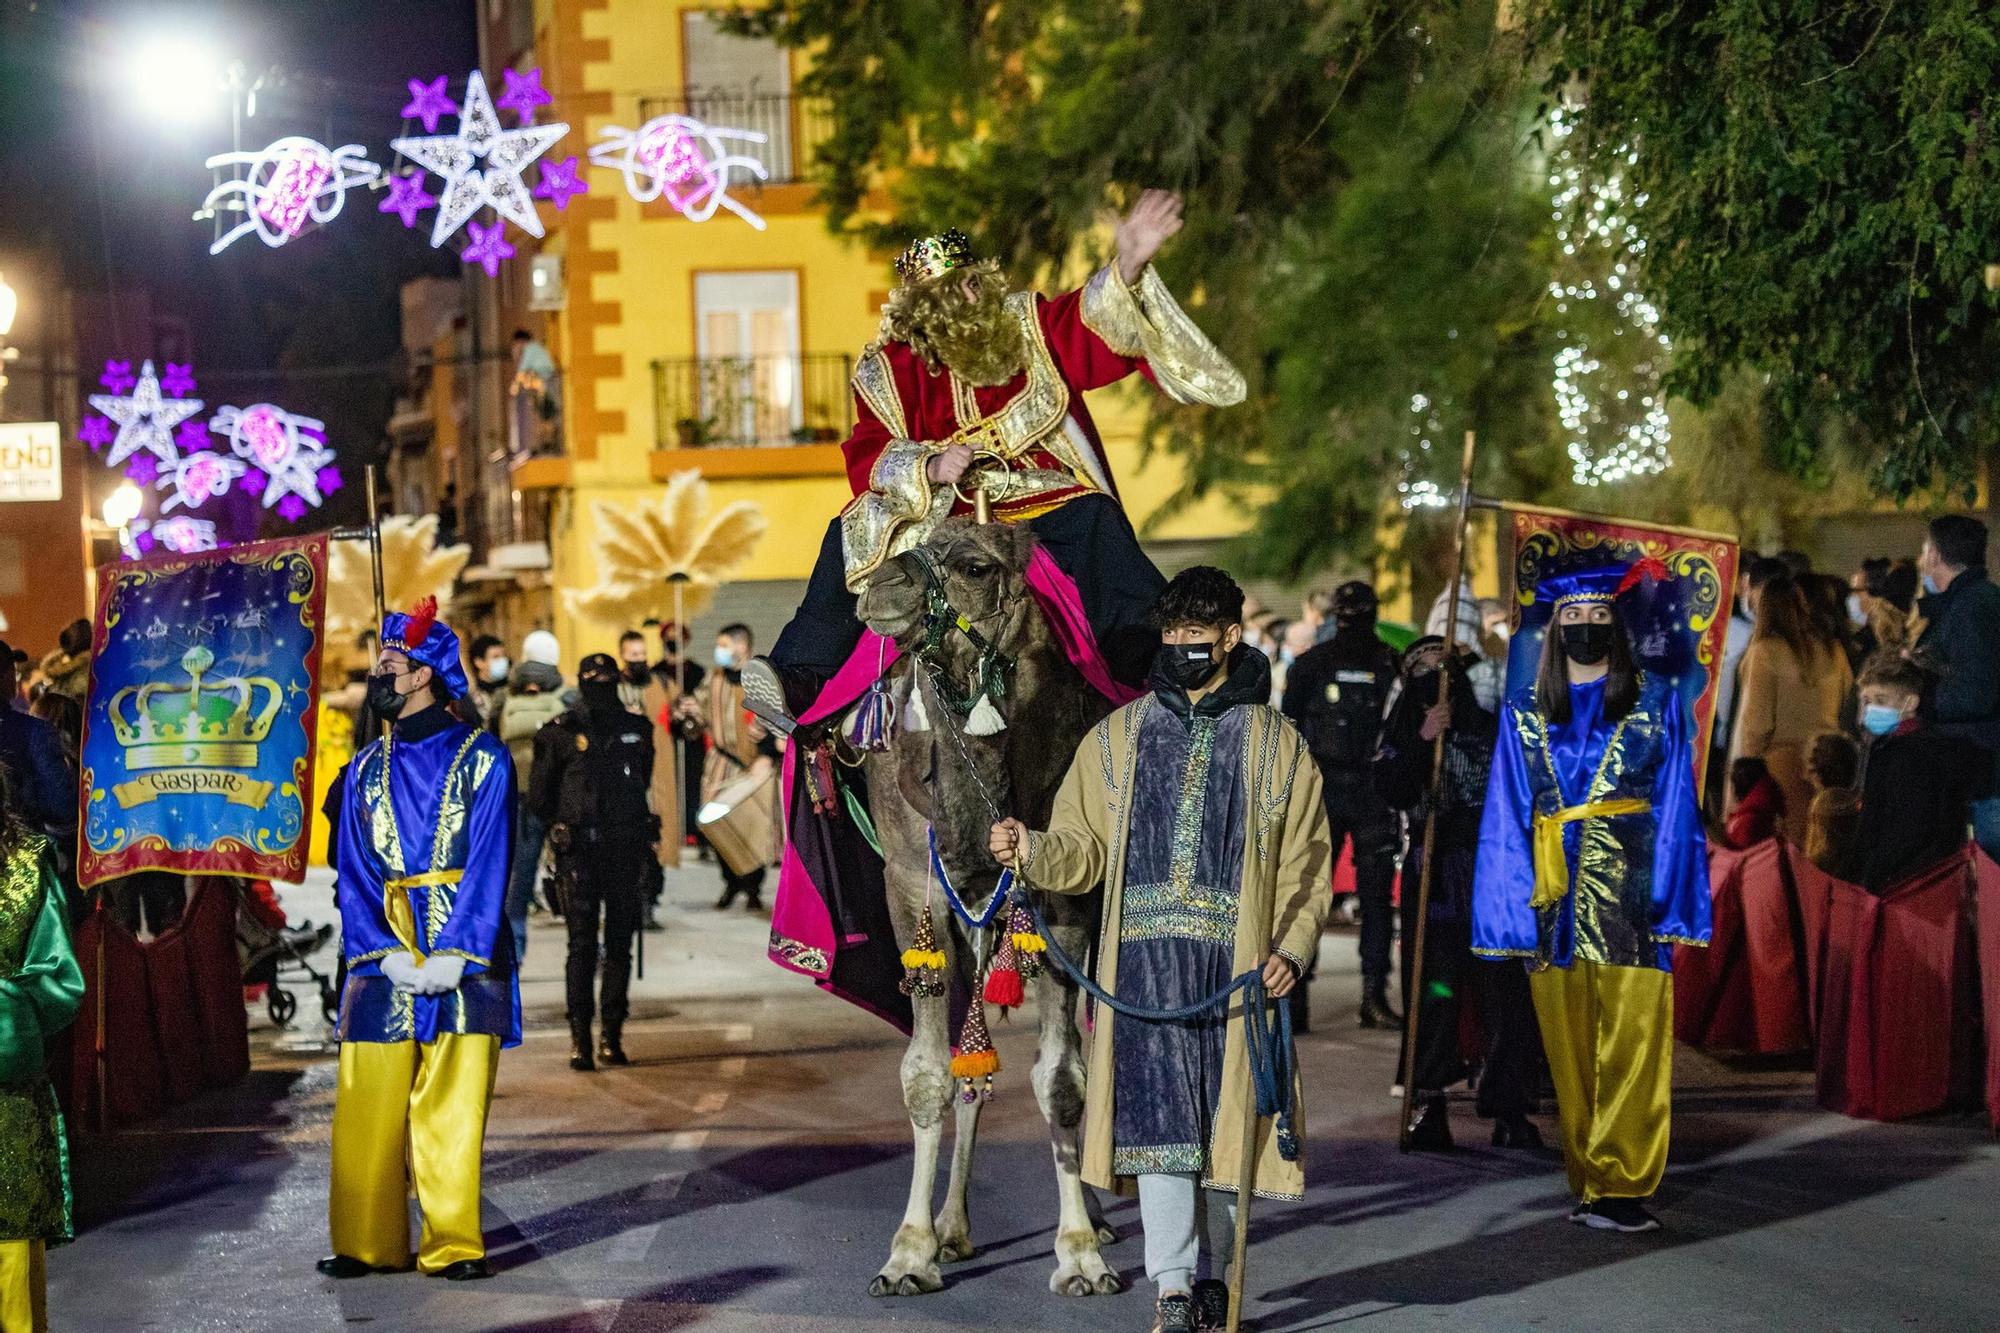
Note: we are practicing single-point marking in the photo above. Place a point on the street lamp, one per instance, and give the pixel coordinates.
(172, 76)
(120, 508)
(9, 304)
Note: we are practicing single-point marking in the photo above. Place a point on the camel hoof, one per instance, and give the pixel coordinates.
(1109, 1285)
(955, 1251)
(887, 1283)
(1105, 1235)
(912, 1285)
(1079, 1286)
(880, 1286)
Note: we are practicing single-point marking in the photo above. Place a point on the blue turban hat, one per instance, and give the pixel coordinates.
(420, 636)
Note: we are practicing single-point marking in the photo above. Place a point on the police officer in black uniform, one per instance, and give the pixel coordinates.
(591, 784)
(1336, 693)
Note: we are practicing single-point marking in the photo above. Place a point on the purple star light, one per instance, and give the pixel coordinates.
(407, 198)
(329, 480)
(179, 380)
(253, 480)
(291, 509)
(488, 247)
(192, 435)
(95, 432)
(428, 102)
(143, 470)
(118, 376)
(559, 182)
(524, 93)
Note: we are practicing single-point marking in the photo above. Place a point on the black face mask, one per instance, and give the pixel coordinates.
(383, 697)
(600, 696)
(1587, 644)
(636, 672)
(1188, 665)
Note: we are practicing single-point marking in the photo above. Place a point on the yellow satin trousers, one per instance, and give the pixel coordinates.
(1609, 1034)
(24, 1287)
(431, 1100)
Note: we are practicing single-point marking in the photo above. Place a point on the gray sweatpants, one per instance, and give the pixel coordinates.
(1189, 1230)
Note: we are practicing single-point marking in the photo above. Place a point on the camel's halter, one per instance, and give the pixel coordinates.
(990, 670)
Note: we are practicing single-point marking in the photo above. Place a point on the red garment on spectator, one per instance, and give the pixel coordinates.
(1755, 817)
(261, 901)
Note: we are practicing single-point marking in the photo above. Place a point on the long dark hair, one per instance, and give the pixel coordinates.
(1621, 680)
(1783, 614)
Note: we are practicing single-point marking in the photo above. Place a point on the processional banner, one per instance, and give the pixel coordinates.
(204, 694)
(1677, 625)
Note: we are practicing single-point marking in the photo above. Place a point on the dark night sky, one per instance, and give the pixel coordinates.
(111, 190)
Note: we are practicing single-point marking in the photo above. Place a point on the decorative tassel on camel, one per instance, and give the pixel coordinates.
(923, 961)
(976, 1059)
(914, 717)
(1003, 980)
(869, 725)
(985, 719)
(1026, 941)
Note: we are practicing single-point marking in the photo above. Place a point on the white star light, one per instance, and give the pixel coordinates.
(145, 419)
(455, 157)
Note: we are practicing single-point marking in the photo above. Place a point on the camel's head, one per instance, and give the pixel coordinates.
(983, 571)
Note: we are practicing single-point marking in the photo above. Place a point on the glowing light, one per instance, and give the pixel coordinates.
(407, 198)
(457, 157)
(145, 420)
(122, 505)
(684, 161)
(288, 453)
(1413, 490)
(488, 247)
(1608, 441)
(429, 102)
(560, 181)
(290, 184)
(197, 478)
(183, 535)
(524, 92)
(173, 76)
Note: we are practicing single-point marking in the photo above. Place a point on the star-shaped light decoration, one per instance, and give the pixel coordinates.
(178, 382)
(287, 450)
(560, 181)
(117, 376)
(143, 470)
(181, 534)
(192, 435)
(428, 103)
(145, 419)
(488, 247)
(330, 480)
(253, 482)
(291, 508)
(407, 198)
(197, 479)
(95, 432)
(457, 157)
(524, 92)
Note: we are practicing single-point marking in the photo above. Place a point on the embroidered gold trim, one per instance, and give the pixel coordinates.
(876, 383)
(1147, 322)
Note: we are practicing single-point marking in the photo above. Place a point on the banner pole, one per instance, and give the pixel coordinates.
(375, 547)
(1415, 971)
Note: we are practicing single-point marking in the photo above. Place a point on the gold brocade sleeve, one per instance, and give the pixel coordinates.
(899, 508)
(1144, 320)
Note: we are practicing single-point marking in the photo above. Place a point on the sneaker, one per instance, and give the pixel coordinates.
(1211, 1304)
(1174, 1314)
(1580, 1214)
(764, 695)
(1620, 1215)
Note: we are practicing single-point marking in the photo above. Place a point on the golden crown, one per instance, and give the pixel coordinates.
(209, 723)
(934, 256)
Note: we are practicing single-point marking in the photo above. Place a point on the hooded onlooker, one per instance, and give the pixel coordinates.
(66, 670)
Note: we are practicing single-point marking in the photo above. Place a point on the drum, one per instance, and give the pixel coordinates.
(741, 823)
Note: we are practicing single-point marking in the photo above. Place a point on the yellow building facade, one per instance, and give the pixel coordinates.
(717, 345)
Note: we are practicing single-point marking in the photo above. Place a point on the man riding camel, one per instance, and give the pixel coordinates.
(970, 388)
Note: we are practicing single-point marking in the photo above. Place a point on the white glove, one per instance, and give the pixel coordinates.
(404, 970)
(440, 973)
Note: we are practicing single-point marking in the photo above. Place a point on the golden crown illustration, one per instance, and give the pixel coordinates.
(207, 723)
(934, 256)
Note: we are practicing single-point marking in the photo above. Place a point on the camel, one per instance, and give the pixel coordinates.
(940, 779)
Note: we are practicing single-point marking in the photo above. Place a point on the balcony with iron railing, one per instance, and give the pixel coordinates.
(791, 126)
(752, 401)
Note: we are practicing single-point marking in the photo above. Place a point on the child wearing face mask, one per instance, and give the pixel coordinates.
(1918, 781)
(1592, 866)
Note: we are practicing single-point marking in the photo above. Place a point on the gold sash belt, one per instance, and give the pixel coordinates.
(396, 903)
(1551, 866)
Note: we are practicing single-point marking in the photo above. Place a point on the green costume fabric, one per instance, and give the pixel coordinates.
(40, 990)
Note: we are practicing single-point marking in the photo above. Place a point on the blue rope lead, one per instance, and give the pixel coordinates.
(1268, 1044)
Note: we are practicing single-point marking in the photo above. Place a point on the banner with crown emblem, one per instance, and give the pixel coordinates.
(204, 695)
(1677, 625)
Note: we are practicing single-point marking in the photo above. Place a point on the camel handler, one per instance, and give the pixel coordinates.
(969, 386)
(431, 996)
(1218, 828)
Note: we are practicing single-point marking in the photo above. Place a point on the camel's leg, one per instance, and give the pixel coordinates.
(954, 1223)
(1059, 1074)
(913, 1255)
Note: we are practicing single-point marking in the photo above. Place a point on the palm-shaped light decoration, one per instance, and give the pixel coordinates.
(414, 566)
(665, 560)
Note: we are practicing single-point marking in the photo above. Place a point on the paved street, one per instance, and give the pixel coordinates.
(747, 1171)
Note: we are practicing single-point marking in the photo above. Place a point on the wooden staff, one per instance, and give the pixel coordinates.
(1416, 968)
(1253, 1133)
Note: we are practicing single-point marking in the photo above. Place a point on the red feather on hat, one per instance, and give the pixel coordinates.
(1645, 567)
(422, 616)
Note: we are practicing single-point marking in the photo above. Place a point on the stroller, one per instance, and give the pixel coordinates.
(274, 954)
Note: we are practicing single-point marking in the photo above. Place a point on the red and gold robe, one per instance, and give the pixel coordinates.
(1034, 442)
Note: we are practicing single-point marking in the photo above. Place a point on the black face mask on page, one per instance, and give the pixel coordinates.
(1188, 665)
(1587, 644)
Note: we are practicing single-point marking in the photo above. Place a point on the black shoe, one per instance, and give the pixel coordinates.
(765, 693)
(1620, 1215)
(1431, 1130)
(754, 906)
(579, 1052)
(1516, 1131)
(1375, 1010)
(611, 1051)
(1211, 1304)
(1174, 1314)
(652, 922)
(465, 1270)
(728, 897)
(342, 1267)
(1580, 1214)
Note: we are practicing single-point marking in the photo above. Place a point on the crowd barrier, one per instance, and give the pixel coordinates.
(174, 1020)
(1896, 995)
